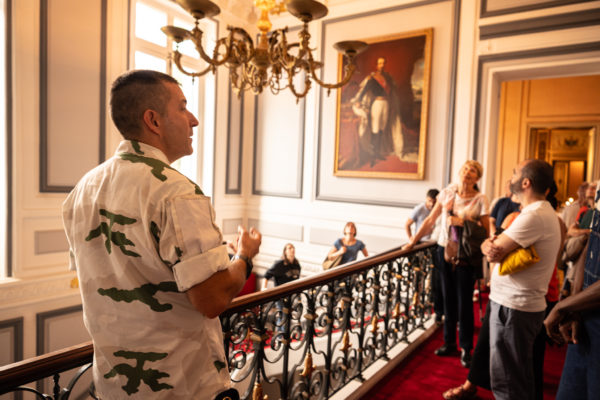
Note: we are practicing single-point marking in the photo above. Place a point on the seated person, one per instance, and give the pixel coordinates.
(285, 269)
(348, 246)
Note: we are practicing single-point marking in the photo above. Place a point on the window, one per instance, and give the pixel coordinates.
(150, 50)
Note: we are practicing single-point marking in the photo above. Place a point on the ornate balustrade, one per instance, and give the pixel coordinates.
(305, 339)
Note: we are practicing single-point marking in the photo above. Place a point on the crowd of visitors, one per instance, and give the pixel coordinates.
(509, 355)
(144, 278)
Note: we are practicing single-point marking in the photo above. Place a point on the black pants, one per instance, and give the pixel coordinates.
(479, 373)
(457, 288)
(437, 297)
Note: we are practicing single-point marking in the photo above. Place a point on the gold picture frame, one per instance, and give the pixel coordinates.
(381, 114)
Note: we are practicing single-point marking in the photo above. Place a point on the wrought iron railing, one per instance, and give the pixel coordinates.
(305, 339)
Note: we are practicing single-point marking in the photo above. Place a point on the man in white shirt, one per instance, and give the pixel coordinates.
(153, 270)
(517, 302)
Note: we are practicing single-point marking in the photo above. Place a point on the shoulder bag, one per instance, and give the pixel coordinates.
(328, 264)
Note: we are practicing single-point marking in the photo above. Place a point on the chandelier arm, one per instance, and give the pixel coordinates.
(177, 61)
(214, 61)
(307, 85)
(278, 47)
(349, 69)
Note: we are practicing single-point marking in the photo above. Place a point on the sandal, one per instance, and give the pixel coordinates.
(460, 393)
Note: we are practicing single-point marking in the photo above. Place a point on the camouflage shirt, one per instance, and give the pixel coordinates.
(140, 235)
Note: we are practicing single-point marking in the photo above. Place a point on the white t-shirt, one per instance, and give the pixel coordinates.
(537, 225)
(472, 208)
(140, 235)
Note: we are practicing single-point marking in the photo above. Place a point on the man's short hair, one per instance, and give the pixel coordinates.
(132, 94)
(432, 193)
(540, 174)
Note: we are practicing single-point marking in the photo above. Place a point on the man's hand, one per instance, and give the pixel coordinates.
(497, 247)
(489, 249)
(559, 328)
(212, 296)
(248, 243)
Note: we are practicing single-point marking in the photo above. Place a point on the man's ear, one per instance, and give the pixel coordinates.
(152, 121)
(526, 183)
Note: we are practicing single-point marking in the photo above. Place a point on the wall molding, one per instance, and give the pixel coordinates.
(514, 56)
(229, 225)
(230, 189)
(484, 11)
(18, 293)
(291, 232)
(41, 319)
(44, 185)
(16, 325)
(297, 193)
(541, 24)
(50, 241)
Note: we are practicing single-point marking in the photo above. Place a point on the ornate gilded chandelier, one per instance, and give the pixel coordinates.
(272, 62)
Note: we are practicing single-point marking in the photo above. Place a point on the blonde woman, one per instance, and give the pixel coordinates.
(455, 204)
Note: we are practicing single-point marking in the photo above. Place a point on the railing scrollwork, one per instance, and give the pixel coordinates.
(306, 339)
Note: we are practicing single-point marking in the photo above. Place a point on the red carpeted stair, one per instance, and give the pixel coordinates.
(426, 376)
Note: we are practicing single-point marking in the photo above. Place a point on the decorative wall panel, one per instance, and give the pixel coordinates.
(235, 141)
(72, 90)
(52, 328)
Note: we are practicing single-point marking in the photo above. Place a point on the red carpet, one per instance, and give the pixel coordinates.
(426, 376)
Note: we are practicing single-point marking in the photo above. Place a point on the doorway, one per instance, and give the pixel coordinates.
(535, 122)
(567, 150)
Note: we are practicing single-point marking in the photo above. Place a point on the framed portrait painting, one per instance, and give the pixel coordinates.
(381, 121)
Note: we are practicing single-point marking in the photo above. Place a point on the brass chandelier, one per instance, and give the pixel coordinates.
(272, 62)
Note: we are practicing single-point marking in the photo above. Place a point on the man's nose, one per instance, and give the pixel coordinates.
(193, 120)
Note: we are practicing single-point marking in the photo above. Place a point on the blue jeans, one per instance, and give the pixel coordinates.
(581, 373)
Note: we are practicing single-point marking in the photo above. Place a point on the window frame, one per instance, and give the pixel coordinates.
(200, 167)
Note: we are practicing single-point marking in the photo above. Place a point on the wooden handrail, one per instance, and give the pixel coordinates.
(32, 369)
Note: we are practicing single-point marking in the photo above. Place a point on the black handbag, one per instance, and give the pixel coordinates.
(469, 252)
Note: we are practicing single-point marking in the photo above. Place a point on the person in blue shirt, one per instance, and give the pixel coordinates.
(348, 246)
(420, 212)
(417, 216)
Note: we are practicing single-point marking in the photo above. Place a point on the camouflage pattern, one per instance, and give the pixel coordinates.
(141, 234)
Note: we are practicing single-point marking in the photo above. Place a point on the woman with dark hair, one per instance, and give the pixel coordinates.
(348, 246)
(455, 204)
(285, 269)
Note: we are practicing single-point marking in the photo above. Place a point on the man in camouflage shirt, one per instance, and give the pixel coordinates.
(153, 271)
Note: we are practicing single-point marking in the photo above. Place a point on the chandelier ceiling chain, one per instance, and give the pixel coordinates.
(272, 62)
